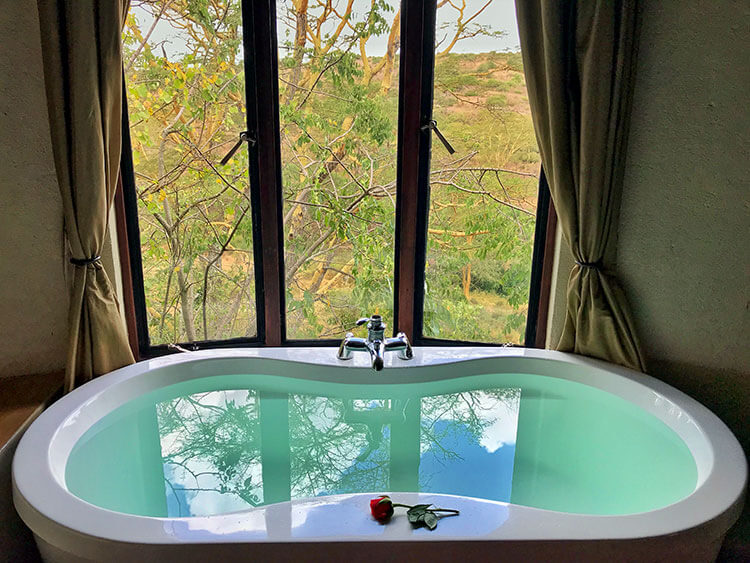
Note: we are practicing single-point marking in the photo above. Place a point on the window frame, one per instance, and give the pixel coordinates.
(416, 70)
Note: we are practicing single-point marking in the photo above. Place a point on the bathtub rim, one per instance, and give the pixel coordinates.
(46, 505)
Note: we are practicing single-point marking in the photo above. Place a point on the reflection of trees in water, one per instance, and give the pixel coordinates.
(471, 411)
(212, 440)
(333, 452)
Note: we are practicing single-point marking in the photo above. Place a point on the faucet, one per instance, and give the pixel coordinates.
(375, 343)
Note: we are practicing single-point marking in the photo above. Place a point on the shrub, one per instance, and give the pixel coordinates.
(498, 100)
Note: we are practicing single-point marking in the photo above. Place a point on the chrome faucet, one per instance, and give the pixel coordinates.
(375, 343)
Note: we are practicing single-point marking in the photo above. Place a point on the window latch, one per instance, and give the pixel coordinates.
(244, 137)
(433, 125)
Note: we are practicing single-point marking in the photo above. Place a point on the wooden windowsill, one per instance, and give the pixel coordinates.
(22, 398)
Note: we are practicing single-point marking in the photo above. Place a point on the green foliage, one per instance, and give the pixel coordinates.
(487, 65)
(458, 80)
(371, 122)
(498, 100)
(338, 119)
(477, 288)
(514, 61)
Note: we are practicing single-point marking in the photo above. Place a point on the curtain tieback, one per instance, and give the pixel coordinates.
(593, 265)
(83, 262)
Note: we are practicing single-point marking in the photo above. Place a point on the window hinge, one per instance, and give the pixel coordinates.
(433, 125)
(244, 137)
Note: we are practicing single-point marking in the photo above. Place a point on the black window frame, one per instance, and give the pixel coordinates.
(416, 70)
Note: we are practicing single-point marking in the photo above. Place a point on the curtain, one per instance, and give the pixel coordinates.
(82, 59)
(579, 60)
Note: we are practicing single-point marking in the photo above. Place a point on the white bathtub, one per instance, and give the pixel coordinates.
(339, 527)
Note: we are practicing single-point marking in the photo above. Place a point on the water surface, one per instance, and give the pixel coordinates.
(226, 443)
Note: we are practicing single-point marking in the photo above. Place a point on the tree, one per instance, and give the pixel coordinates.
(338, 135)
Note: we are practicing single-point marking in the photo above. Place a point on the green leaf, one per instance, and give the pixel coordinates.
(141, 91)
(430, 520)
(416, 513)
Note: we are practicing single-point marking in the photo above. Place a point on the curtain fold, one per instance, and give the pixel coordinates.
(579, 61)
(82, 59)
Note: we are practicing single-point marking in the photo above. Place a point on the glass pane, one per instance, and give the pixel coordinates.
(483, 197)
(338, 88)
(185, 82)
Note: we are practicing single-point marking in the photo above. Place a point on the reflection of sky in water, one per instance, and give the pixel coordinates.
(335, 446)
(503, 429)
(474, 472)
(199, 479)
(179, 451)
(471, 452)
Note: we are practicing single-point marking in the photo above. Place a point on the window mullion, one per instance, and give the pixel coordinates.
(265, 166)
(413, 187)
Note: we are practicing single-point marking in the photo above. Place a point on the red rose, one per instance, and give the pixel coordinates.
(381, 508)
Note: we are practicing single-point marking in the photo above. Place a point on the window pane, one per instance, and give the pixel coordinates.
(483, 197)
(185, 82)
(338, 88)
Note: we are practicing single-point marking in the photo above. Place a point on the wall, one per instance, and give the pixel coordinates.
(33, 277)
(33, 286)
(684, 233)
(684, 236)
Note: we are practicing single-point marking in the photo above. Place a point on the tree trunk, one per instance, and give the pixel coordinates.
(390, 53)
(186, 304)
(466, 279)
(300, 39)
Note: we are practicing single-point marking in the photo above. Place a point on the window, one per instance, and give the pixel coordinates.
(186, 102)
(292, 166)
(338, 86)
(483, 195)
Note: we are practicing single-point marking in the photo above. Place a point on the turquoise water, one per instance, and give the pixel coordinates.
(226, 443)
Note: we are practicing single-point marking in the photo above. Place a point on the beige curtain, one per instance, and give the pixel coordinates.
(81, 47)
(579, 60)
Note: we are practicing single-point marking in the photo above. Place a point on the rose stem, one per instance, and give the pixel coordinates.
(428, 509)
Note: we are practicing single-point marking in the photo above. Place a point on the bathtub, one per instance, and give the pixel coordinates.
(331, 523)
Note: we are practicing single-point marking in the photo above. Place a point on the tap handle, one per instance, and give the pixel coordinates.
(373, 323)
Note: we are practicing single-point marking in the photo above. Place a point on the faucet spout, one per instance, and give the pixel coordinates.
(376, 354)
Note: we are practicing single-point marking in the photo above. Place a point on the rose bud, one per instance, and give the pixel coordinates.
(381, 508)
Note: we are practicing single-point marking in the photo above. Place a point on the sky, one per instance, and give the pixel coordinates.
(500, 15)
